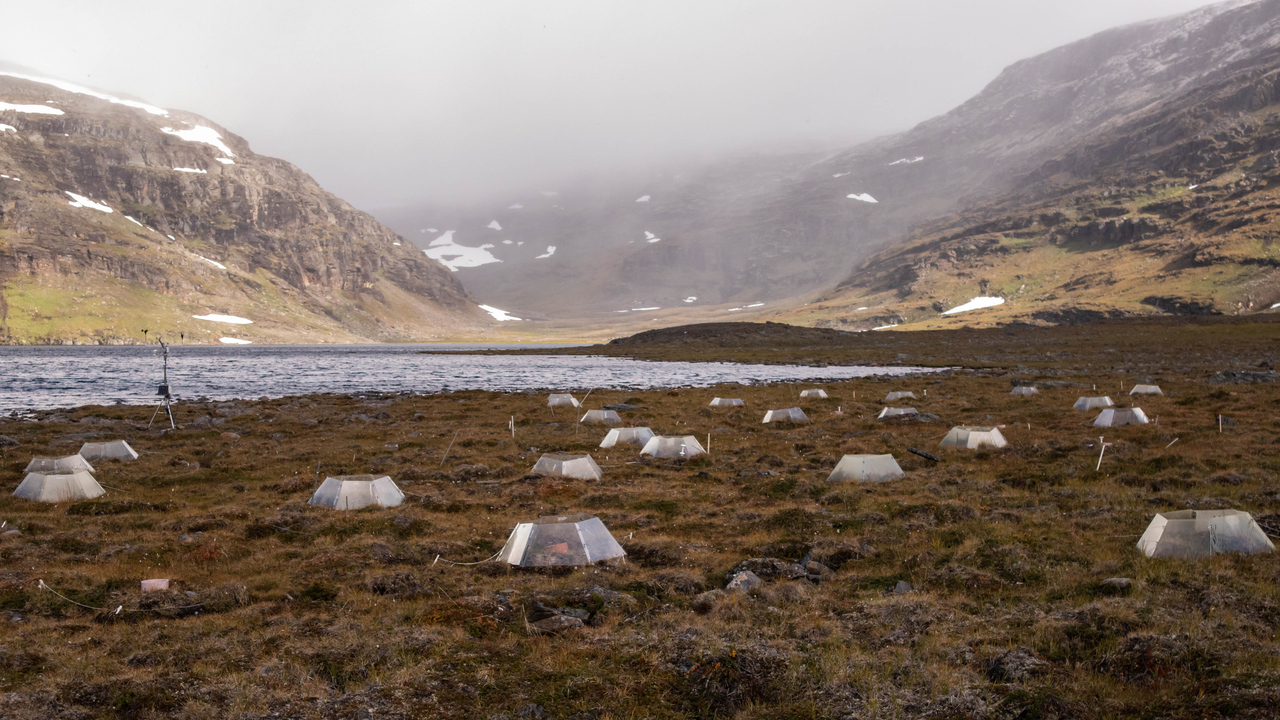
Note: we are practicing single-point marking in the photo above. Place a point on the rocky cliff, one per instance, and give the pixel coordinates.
(118, 216)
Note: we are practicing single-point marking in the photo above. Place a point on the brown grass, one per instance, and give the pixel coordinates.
(279, 608)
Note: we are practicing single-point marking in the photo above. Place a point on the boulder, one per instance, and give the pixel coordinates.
(770, 569)
(743, 581)
(556, 624)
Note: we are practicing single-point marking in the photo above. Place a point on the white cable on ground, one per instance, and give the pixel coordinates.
(118, 609)
(433, 562)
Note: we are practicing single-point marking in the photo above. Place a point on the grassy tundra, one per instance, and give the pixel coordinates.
(278, 609)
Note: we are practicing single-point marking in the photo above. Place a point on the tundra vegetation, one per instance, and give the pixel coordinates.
(974, 587)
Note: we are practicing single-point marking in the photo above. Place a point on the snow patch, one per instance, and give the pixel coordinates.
(839, 175)
(234, 341)
(454, 256)
(135, 222)
(885, 327)
(551, 250)
(395, 243)
(494, 225)
(549, 193)
(861, 308)
(486, 246)
(643, 198)
(171, 237)
(691, 298)
(650, 237)
(506, 242)
(84, 202)
(214, 263)
(1192, 187)
(864, 197)
(517, 206)
(754, 305)
(644, 309)
(226, 161)
(229, 319)
(977, 303)
(907, 161)
(33, 109)
(499, 315)
(1273, 307)
(81, 90)
(4, 127)
(201, 134)
(193, 170)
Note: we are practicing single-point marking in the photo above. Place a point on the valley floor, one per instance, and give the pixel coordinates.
(279, 609)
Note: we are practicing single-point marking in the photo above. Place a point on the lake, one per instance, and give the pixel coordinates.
(37, 378)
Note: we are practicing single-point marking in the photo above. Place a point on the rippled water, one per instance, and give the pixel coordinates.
(49, 377)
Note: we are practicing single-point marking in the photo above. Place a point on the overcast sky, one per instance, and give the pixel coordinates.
(394, 102)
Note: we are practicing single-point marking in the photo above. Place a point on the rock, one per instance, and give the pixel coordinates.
(533, 711)
(902, 588)
(1014, 665)
(11, 533)
(705, 602)
(743, 582)
(1116, 585)
(816, 571)
(6, 441)
(556, 624)
(770, 568)
(1240, 377)
(230, 436)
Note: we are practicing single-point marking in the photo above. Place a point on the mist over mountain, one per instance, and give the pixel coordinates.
(764, 230)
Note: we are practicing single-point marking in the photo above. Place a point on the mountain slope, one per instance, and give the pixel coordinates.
(1170, 209)
(767, 229)
(117, 216)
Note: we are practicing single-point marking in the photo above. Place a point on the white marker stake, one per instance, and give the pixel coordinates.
(1166, 447)
(1104, 450)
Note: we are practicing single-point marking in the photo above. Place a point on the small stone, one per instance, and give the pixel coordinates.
(556, 624)
(6, 441)
(1116, 585)
(744, 581)
(229, 436)
(903, 587)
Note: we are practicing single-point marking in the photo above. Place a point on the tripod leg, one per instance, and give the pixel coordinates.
(154, 414)
(169, 409)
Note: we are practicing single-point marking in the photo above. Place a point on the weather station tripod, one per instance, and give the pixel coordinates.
(166, 397)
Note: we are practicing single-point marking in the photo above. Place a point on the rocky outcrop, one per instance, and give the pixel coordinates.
(198, 223)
